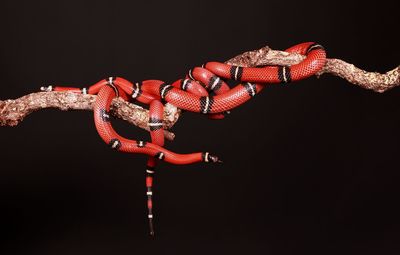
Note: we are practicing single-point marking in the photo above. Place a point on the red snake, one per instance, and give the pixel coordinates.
(191, 94)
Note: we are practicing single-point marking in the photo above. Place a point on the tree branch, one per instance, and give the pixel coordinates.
(367, 80)
(13, 112)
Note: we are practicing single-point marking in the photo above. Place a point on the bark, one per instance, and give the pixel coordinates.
(13, 112)
(368, 80)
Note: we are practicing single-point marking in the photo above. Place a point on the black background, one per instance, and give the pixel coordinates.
(310, 167)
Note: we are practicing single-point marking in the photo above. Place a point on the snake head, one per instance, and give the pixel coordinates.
(46, 89)
(207, 157)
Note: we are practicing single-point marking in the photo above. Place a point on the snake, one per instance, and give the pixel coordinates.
(203, 90)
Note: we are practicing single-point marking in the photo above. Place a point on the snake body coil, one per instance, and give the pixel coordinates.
(204, 90)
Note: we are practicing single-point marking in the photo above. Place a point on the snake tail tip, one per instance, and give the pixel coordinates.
(151, 232)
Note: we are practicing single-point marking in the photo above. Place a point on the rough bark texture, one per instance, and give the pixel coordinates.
(13, 111)
(367, 80)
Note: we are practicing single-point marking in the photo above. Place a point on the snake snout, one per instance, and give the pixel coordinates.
(207, 157)
(46, 88)
(214, 159)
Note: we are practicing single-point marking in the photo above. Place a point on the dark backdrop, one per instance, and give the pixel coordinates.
(310, 167)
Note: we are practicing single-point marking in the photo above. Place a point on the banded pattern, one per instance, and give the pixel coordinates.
(155, 124)
(251, 88)
(105, 115)
(236, 73)
(137, 91)
(149, 193)
(284, 74)
(115, 144)
(206, 104)
(203, 90)
(164, 89)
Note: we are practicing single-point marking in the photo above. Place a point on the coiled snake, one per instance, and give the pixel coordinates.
(203, 90)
